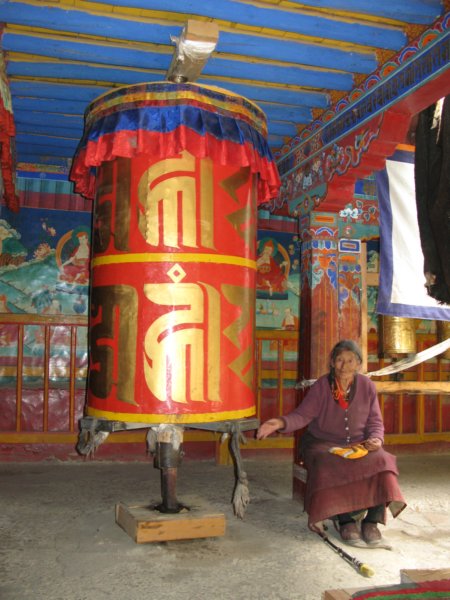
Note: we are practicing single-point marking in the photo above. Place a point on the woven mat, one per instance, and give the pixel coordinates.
(420, 591)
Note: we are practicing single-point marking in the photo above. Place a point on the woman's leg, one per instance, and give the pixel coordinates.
(345, 518)
(369, 530)
(375, 514)
(348, 529)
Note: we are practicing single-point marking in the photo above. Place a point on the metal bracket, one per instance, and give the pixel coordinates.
(93, 432)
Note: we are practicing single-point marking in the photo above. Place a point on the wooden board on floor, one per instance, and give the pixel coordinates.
(145, 524)
(339, 594)
(421, 575)
(406, 576)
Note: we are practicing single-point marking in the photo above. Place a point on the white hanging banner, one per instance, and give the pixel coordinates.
(402, 291)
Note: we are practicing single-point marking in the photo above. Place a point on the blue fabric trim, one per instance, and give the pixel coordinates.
(166, 119)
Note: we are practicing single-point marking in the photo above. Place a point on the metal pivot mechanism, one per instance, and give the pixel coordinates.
(165, 443)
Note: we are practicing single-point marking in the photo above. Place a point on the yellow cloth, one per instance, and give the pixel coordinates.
(357, 451)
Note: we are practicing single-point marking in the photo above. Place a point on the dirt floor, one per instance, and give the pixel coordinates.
(59, 539)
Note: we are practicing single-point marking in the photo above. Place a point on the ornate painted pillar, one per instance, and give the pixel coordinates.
(349, 290)
(319, 292)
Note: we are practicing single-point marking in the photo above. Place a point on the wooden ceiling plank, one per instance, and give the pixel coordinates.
(40, 129)
(113, 28)
(46, 149)
(39, 89)
(85, 93)
(411, 11)
(113, 55)
(285, 20)
(41, 139)
(68, 107)
(39, 117)
(292, 114)
(293, 75)
(281, 128)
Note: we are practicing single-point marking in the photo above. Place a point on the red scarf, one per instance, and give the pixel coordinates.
(339, 395)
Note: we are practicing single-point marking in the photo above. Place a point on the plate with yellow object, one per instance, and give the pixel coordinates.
(351, 452)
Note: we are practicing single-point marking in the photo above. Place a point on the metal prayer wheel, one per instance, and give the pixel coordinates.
(396, 336)
(443, 333)
(180, 169)
(176, 172)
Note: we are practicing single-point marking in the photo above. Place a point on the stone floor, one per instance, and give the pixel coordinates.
(59, 539)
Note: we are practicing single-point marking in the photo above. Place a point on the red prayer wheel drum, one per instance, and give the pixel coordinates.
(176, 171)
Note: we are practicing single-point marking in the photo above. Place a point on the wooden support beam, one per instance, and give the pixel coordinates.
(413, 387)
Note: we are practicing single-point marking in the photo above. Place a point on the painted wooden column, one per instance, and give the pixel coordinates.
(349, 290)
(319, 292)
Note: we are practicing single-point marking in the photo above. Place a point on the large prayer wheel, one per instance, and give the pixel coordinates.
(176, 171)
(396, 336)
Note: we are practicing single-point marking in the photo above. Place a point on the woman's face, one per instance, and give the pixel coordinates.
(346, 364)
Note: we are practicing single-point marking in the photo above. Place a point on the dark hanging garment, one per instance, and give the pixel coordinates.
(432, 180)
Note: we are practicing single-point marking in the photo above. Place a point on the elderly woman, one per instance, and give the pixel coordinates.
(351, 478)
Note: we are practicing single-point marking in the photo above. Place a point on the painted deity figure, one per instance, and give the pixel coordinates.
(76, 268)
(271, 276)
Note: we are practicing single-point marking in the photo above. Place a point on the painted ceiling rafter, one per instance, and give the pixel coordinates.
(263, 15)
(231, 41)
(294, 59)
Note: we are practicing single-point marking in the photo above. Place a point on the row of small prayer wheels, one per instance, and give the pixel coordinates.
(397, 335)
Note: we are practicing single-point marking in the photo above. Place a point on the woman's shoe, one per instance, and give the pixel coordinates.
(350, 533)
(370, 533)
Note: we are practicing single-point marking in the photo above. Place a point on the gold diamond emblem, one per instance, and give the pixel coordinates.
(176, 273)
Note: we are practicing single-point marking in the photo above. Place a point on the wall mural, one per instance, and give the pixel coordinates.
(44, 270)
(278, 290)
(277, 280)
(44, 261)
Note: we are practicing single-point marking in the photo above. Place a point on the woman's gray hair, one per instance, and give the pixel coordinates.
(345, 345)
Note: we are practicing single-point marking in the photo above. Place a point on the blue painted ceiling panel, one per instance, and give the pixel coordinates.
(291, 75)
(56, 91)
(270, 48)
(317, 25)
(46, 140)
(46, 149)
(109, 54)
(42, 129)
(294, 61)
(74, 122)
(412, 11)
(282, 128)
(66, 107)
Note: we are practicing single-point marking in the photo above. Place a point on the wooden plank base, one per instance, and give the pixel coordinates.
(146, 524)
(406, 576)
(421, 575)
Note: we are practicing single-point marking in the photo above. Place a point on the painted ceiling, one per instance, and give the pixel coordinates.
(295, 59)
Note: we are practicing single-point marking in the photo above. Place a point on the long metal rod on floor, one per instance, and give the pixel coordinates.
(362, 568)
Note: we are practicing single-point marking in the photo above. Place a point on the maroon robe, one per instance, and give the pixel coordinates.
(336, 485)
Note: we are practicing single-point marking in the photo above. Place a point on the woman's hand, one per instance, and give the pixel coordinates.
(372, 444)
(269, 427)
